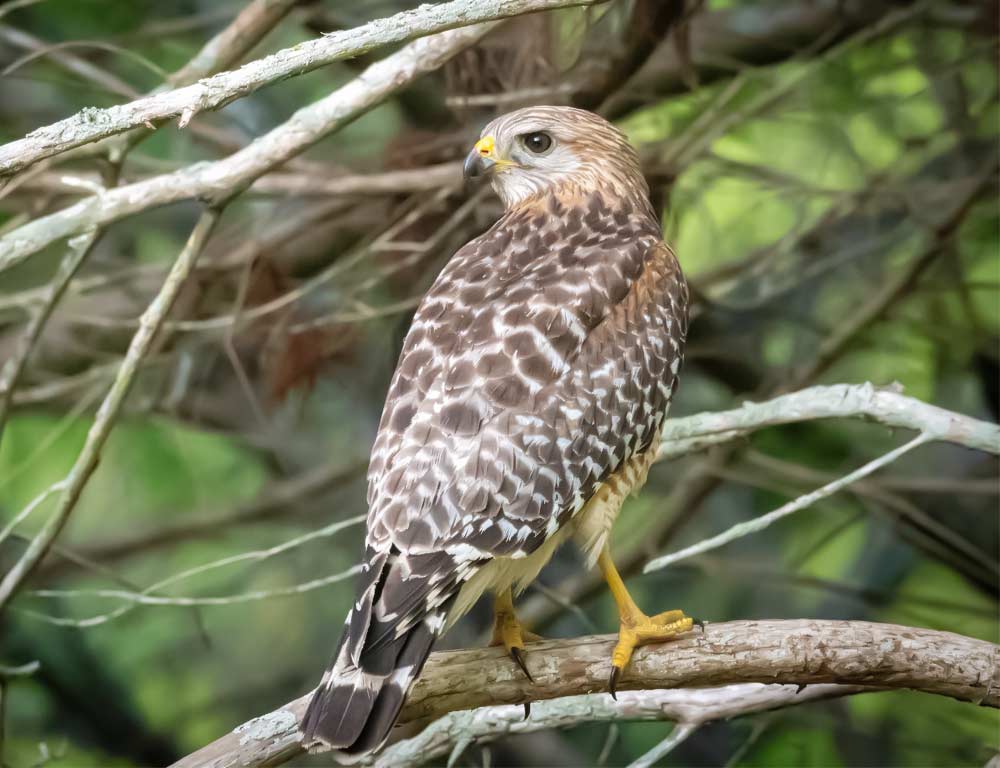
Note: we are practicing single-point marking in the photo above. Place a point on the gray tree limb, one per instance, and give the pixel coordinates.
(215, 182)
(886, 405)
(691, 707)
(92, 124)
(799, 652)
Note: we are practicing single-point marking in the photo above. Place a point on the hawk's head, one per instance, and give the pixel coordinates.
(538, 149)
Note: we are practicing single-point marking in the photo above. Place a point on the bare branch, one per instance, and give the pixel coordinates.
(224, 49)
(281, 498)
(133, 598)
(73, 63)
(235, 41)
(86, 462)
(687, 706)
(298, 183)
(213, 92)
(740, 530)
(797, 653)
(219, 181)
(79, 250)
(677, 736)
(885, 405)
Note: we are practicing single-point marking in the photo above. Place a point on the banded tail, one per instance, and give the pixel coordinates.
(402, 605)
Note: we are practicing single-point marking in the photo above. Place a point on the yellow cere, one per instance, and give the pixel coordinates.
(485, 146)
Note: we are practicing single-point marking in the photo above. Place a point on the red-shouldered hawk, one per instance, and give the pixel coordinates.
(526, 405)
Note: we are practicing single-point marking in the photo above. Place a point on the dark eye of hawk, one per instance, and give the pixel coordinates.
(537, 142)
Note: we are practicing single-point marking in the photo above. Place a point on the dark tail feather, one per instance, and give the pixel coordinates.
(380, 654)
(355, 708)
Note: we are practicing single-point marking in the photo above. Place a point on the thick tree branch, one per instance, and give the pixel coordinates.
(775, 652)
(217, 91)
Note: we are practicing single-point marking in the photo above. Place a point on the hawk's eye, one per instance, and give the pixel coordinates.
(537, 142)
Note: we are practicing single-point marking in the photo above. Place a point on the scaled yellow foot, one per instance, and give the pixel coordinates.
(636, 627)
(508, 632)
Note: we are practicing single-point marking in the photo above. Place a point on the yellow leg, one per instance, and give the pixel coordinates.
(636, 627)
(507, 630)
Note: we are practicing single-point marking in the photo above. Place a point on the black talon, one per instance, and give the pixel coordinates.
(527, 709)
(517, 655)
(699, 623)
(613, 682)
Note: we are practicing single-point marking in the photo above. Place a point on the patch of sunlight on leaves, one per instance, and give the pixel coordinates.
(800, 149)
(905, 81)
(917, 117)
(147, 467)
(900, 47)
(838, 554)
(663, 120)
(717, 220)
(790, 747)
(877, 146)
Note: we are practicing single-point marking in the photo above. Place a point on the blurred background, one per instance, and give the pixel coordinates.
(827, 171)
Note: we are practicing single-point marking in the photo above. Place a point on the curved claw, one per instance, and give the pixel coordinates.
(699, 623)
(517, 654)
(616, 672)
(527, 709)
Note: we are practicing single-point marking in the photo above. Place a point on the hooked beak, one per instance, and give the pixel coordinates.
(481, 160)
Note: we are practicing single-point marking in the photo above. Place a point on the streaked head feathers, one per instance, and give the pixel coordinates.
(540, 149)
